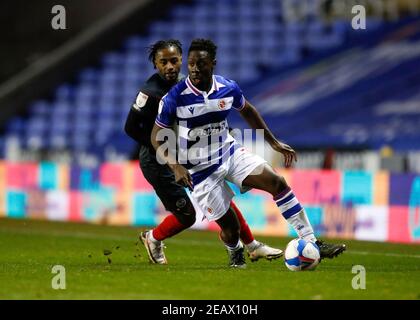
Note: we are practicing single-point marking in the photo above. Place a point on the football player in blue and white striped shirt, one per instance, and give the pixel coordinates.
(207, 156)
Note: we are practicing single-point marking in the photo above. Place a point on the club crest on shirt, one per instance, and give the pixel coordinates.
(222, 104)
(181, 202)
(140, 101)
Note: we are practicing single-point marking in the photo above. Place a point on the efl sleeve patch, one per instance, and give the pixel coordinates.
(160, 106)
(140, 101)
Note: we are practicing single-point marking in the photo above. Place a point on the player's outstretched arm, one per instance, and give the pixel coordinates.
(255, 121)
(131, 126)
(182, 176)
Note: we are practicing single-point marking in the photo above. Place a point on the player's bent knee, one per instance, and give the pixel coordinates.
(187, 219)
(280, 185)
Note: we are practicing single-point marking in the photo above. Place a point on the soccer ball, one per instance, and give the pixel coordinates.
(301, 255)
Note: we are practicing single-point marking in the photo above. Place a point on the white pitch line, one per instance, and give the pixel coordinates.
(386, 254)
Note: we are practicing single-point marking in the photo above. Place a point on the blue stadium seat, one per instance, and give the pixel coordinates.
(290, 56)
(246, 74)
(127, 101)
(247, 13)
(110, 75)
(61, 110)
(2, 148)
(64, 91)
(85, 94)
(37, 124)
(250, 35)
(60, 126)
(88, 75)
(105, 124)
(130, 90)
(83, 111)
(112, 59)
(135, 43)
(201, 30)
(40, 108)
(341, 26)
(15, 126)
(81, 128)
(292, 41)
(58, 141)
(268, 11)
(294, 28)
(181, 12)
(160, 30)
(134, 59)
(271, 28)
(373, 23)
(221, 4)
(107, 113)
(203, 12)
(132, 78)
(35, 141)
(248, 41)
(323, 42)
(80, 142)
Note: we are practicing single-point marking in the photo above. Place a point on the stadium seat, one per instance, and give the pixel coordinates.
(64, 91)
(80, 143)
(58, 141)
(112, 59)
(35, 142)
(15, 126)
(59, 127)
(2, 147)
(251, 36)
(181, 12)
(134, 59)
(88, 75)
(40, 108)
(135, 43)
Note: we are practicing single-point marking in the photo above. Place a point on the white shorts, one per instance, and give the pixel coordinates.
(213, 195)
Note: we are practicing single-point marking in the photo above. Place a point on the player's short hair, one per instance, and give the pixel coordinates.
(204, 45)
(162, 44)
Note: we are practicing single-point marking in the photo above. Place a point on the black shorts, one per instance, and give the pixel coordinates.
(173, 195)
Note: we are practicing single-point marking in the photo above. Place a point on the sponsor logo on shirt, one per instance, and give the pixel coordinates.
(222, 104)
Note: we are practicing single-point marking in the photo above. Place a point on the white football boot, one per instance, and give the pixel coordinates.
(264, 251)
(154, 249)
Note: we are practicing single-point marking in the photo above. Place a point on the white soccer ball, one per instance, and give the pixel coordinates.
(301, 255)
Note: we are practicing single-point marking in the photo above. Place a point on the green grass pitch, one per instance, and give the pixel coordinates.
(197, 267)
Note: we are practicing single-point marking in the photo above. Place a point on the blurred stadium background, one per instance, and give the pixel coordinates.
(347, 100)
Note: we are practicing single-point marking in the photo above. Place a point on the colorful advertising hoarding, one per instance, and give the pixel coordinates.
(347, 204)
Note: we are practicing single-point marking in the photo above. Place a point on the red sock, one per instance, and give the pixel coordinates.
(169, 227)
(246, 234)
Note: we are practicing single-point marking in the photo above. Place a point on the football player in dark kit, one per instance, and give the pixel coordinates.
(166, 57)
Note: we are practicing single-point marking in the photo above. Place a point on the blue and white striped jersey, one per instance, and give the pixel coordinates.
(200, 122)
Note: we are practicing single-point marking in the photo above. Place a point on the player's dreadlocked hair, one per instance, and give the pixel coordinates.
(162, 44)
(204, 45)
